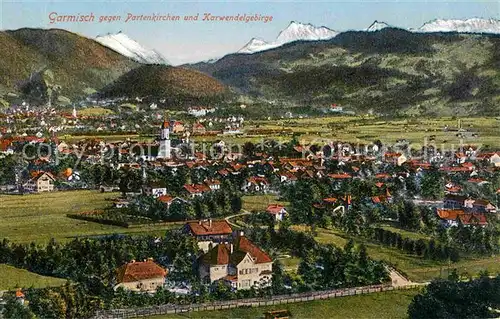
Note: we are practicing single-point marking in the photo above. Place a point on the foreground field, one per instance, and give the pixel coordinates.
(39, 217)
(12, 278)
(391, 304)
(416, 268)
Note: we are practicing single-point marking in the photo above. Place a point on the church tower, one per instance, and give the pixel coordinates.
(164, 150)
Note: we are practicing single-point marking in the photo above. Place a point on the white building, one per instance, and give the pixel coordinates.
(165, 149)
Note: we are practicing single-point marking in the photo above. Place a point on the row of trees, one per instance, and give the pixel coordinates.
(426, 248)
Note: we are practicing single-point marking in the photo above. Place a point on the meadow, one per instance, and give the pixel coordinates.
(40, 217)
(259, 203)
(367, 129)
(12, 278)
(390, 304)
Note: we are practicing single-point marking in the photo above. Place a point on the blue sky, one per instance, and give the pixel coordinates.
(184, 41)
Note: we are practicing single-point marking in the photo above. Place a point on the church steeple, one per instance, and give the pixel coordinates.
(164, 150)
(165, 130)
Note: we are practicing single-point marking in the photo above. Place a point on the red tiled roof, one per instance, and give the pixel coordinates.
(37, 174)
(383, 175)
(135, 271)
(379, 184)
(473, 219)
(19, 293)
(165, 199)
(217, 227)
(340, 176)
(289, 176)
(196, 188)
(244, 244)
(330, 200)
(274, 208)
(450, 214)
(219, 255)
(476, 180)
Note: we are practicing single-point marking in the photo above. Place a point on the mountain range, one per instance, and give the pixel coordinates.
(388, 71)
(434, 69)
(297, 31)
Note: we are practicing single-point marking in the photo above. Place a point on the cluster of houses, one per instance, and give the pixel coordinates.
(225, 256)
(466, 210)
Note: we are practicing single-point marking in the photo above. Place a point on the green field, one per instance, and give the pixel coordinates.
(12, 278)
(39, 217)
(416, 268)
(365, 129)
(259, 202)
(390, 305)
(356, 129)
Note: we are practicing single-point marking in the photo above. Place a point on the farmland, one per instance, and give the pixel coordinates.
(12, 278)
(40, 217)
(357, 129)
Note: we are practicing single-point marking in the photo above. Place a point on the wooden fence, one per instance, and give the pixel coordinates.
(253, 302)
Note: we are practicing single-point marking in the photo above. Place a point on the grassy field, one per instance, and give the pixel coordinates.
(364, 129)
(405, 233)
(95, 111)
(260, 202)
(12, 278)
(391, 304)
(416, 268)
(39, 217)
(357, 129)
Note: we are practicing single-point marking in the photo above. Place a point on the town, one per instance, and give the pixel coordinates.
(220, 218)
(249, 160)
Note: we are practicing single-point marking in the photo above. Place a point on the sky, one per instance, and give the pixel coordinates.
(191, 41)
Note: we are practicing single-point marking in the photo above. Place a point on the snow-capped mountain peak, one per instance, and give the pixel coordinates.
(294, 32)
(255, 45)
(300, 31)
(473, 25)
(377, 25)
(126, 46)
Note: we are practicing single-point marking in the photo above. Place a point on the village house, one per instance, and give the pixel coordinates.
(199, 111)
(140, 276)
(178, 127)
(277, 211)
(240, 265)
(155, 189)
(479, 206)
(209, 232)
(40, 182)
(452, 218)
(454, 201)
(195, 190)
(256, 184)
(169, 200)
(213, 184)
(287, 177)
(495, 160)
(198, 128)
